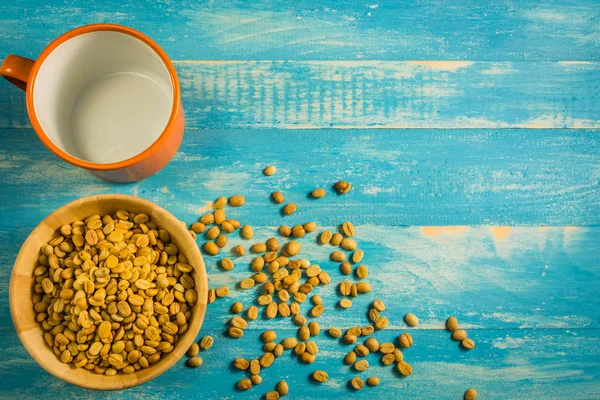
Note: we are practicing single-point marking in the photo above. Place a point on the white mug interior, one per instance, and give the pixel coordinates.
(103, 96)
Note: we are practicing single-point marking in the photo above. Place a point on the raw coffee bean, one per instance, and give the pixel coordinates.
(343, 187)
(357, 256)
(292, 248)
(272, 395)
(312, 347)
(336, 239)
(367, 330)
(411, 320)
(361, 365)
(271, 310)
(242, 364)
(222, 291)
(314, 328)
(289, 343)
(317, 310)
(361, 350)
(350, 358)
(345, 268)
(285, 231)
(239, 250)
(357, 383)
(372, 381)
(235, 333)
(379, 305)
(266, 360)
(206, 342)
(398, 356)
(404, 368)
(244, 384)
(470, 394)
(452, 324)
(256, 379)
(270, 170)
(221, 241)
(254, 367)
(468, 343)
(348, 244)
(362, 272)
(227, 227)
(303, 333)
(278, 197)
(273, 244)
(268, 336)
(318, 193)
(355, 331)
(252, 313)
(345, 303)
(227, 264)
(237, 307)
(258, 248)
(193, 350)
(220, 202)
(194, 362)
(459, 335)
(350, 339)
(405, 340)
(207, 219)
(211, 296)
(300, 348)
(334, 332)
(325, 237)
(283, 388)
(316, 300)
(363, 287)
(237, 201)
(211, 248)
(239, 322)
(344, 288)
(219, 216)
(269, 346)
(289, 208)
(278, 350)
(387, 359)
(247, 283)
(372, 344)
(386, 348)
(320, 376)
(198, 227)
(307, 358)
(337, 256)
(309, 227)
(347, 228)
(247, 232)
(213, 232)
(298, 231)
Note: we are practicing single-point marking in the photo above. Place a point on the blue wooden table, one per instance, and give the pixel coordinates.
(468, 129)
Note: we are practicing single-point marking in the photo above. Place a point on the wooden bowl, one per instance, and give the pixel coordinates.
(22, 282)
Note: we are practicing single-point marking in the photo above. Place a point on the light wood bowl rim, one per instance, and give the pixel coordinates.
(22, 312)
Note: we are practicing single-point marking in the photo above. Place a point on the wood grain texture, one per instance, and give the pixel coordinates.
(333, 30)
(401, 177)
(376, 94)
(511, 364)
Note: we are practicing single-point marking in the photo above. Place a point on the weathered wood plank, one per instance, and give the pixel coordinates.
(407, 177)
(489, 277)
(376, 94)
(331, 30)
(514, 364)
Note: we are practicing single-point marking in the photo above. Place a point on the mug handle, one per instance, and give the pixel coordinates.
(15, 69)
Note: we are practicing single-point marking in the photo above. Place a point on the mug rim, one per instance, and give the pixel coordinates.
(37, 127)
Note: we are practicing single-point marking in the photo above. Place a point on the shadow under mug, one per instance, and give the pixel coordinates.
(105, 98)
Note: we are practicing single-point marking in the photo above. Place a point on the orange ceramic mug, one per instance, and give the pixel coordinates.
(105, 98)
